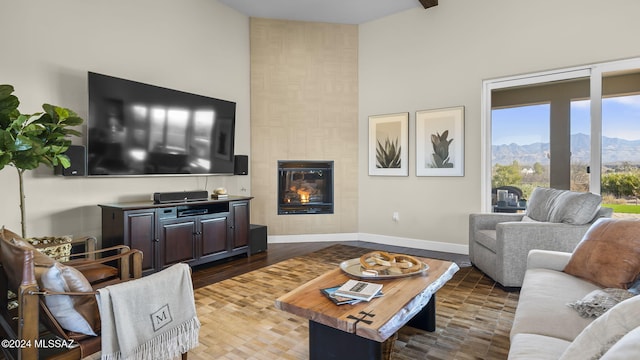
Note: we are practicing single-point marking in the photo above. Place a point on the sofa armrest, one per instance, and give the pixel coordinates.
(514, 240)
(547, 259)
(488, 221)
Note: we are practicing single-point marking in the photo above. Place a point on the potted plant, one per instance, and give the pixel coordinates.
(29, 140)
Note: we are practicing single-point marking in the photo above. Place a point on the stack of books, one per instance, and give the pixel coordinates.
(353, 292)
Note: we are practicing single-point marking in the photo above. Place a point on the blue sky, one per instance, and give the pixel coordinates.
(530, 124)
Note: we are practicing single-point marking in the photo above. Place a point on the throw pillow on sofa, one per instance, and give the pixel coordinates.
(626, 348)
(608, 254)
(541, 202)
(563, 206)
(575, 208)
(605, 331)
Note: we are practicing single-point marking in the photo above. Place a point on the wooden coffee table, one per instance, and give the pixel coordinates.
(358, 331)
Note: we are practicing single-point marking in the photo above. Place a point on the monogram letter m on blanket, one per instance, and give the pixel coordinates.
(149, 318)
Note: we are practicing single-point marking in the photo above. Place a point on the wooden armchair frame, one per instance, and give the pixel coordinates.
(22, 326)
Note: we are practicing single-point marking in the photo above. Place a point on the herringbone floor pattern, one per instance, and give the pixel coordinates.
(239, 320)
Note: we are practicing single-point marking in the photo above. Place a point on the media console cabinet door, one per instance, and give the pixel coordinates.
(177, 241)
(215, 235)
(141, 234)
(240, 223)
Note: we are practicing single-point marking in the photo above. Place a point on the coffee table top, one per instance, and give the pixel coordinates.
(403, 298)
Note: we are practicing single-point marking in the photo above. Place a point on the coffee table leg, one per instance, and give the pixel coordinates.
(326, 342)
(426, 318)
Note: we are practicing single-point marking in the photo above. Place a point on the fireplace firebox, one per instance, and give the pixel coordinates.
(305, 187)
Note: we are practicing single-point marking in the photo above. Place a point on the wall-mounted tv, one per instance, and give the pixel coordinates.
(141, 129)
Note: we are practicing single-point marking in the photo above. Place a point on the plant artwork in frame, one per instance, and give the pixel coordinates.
(440, 142)
(389, 144)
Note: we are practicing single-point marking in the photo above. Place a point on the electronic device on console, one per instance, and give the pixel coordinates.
(183, 196)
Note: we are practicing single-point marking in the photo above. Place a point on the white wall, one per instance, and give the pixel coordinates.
(198, 46)
(436, 58)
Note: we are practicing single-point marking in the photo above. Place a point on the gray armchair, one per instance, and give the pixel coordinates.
(555, 220)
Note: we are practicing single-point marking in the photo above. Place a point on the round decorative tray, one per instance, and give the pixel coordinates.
(352, 267)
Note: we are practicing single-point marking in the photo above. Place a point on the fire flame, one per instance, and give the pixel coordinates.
(304, 196)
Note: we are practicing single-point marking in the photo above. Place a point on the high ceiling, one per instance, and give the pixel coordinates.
(331, 11)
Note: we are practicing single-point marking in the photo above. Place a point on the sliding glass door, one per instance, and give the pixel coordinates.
(575, 129)
(620, 140)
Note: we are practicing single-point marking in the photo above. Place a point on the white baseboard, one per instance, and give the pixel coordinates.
(373, 238)
(415, 243)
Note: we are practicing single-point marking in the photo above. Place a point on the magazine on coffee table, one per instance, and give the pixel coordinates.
(341, 300)
(357, 289)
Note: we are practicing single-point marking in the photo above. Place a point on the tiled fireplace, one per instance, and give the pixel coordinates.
(305, 187)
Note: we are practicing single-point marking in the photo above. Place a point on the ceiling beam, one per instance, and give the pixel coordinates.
(429, 3)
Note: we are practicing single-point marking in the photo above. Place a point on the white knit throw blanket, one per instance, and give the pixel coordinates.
(149, 318)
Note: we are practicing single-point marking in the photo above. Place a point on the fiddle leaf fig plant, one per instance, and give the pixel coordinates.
(29, 140)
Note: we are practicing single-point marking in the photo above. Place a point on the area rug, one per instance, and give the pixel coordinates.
(239, 319)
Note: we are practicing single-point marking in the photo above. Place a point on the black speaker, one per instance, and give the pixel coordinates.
(76, 155)
(176, 197)
(257, 238)
(241, 165)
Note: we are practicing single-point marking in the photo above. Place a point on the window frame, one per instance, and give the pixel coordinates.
(592, 71)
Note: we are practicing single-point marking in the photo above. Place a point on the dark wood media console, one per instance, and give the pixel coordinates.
(190, 232)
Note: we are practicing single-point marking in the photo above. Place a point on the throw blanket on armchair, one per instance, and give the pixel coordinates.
(149, 318)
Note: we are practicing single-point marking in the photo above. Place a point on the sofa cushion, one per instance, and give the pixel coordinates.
(575, 208)
(539, 347)
(626, 348)
(78, 313)
(608, 254)
(543, 300)
(605, 331)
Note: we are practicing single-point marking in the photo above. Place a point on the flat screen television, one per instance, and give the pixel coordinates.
(141, 129)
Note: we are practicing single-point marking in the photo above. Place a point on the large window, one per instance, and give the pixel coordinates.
(575, 129)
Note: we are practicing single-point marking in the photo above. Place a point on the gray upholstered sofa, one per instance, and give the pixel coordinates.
(555, 220)
(575, 306)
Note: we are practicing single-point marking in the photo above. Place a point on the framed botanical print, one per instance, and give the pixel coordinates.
(440, 142)
(389, 144)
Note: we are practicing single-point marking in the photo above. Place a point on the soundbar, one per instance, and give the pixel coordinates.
(176, 197)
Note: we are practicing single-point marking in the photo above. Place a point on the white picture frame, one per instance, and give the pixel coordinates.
(389, 144)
